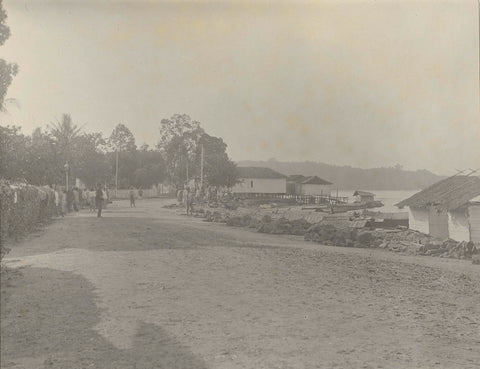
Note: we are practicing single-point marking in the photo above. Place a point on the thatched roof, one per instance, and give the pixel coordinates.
(449, 194)
(258, 172)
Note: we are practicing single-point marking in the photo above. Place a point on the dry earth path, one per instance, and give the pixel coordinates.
(149, 288)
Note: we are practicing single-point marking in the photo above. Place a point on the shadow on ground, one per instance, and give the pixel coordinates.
(124, 233)
(47, 321)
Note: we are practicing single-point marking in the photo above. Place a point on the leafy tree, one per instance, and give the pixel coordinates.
(91, 164)
(179, 125)
(122, 139)
(182, 159)
(218, 169)
(31, 158)
(13, 150)
(7, 70)
(149, 175)
(122, 144)
(4, 29)
(44, 163)
(181, 139)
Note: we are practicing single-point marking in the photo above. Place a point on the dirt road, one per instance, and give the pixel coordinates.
(149, 288)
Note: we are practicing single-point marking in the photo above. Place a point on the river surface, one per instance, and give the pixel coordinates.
(389, 198)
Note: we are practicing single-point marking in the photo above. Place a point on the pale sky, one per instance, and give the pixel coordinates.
(360, 83)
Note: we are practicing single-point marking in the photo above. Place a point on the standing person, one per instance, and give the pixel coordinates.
(91, 199)
(57, 201)
(185, 195)
(190, 201)
(84, 197)
(106, 197)
(69, 198)
(76, 198)
(188, 197)
(63, 202)
(132, 197)
(99, 200)
(179, 196)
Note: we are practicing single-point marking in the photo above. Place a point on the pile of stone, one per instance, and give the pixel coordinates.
(416, 243)
(450, 249)
(215, 216)
(267, 224)
(340, 232)
(328, 234)
(282, 225)
(402, 240)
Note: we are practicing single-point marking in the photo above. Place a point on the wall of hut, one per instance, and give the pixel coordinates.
(313, 189)
(438, 222)
(418, 220)
(291, 188)
(261, 185)
(458, 225)
(474, 221)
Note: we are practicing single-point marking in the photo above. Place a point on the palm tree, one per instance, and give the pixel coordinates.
(64, 133)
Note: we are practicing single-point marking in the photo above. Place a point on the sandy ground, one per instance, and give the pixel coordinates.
(149, 288)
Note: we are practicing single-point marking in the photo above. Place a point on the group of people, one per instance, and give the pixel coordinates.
(74, 199)
(186, 196)
(190, 195)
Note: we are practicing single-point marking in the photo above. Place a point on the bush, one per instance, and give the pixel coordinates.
(365, 239)
(235, 221)
(266, 219)
(21, 208)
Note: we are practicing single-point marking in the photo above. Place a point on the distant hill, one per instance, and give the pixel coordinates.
(349, 178)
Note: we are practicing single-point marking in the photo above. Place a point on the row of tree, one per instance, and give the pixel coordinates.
(7, 70)
(44, 156)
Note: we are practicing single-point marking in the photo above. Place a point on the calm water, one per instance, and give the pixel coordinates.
(389, 198)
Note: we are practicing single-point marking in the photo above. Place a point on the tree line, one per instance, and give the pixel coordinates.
(43, 157)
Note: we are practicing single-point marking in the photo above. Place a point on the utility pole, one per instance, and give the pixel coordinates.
(67, 168)
(116, 172)
(201, 168)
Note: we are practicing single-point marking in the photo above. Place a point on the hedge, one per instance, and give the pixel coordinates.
(22, 207)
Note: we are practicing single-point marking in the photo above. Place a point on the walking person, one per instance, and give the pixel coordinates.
(99, 200)
(132, 197)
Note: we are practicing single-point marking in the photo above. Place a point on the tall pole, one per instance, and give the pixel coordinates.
(201, 168)
(116, 172)
(67, 168)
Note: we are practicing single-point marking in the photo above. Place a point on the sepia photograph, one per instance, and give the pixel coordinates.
(239, 184)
